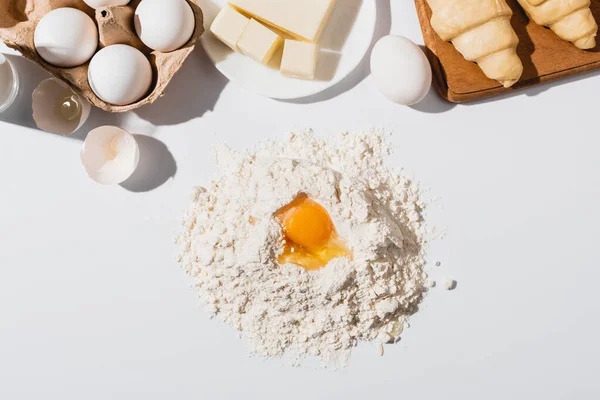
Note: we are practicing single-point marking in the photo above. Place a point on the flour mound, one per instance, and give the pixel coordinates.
(230, 243)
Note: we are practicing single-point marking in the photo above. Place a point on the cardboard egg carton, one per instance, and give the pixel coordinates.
(19, 18)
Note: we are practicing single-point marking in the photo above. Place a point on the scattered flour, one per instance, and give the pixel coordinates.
(450, 284)
(230, 243)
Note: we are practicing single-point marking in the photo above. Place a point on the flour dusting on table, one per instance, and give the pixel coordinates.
(231, 241)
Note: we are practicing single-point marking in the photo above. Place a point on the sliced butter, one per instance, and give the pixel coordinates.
(302, 19)
(259, 42)
(228, 26)
(299, 59)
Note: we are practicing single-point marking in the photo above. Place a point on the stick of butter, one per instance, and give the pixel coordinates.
(299, 59)
(259, 42)
(228, 26)
(302, 19)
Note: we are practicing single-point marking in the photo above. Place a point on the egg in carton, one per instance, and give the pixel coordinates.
(19, 18)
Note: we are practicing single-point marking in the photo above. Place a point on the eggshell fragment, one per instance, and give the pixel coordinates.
(110, 155)
(58, 109)
(400, 70)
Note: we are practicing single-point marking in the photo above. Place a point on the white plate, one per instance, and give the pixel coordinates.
(344, 43)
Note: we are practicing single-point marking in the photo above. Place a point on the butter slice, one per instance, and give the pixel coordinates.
(299, 59)
(302, 19)
(259, 42)
(228, 26)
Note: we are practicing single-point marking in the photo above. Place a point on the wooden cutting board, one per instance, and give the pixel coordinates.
(545, 58)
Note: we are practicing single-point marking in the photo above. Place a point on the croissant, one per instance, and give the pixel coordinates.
(481, 31)
(571, 20)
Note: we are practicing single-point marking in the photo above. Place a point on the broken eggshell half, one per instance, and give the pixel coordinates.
(110, 155)
(59, 109)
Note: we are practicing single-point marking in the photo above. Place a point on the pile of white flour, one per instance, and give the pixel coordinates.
(231, 242)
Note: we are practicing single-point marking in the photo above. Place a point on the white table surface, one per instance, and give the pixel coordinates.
(94, 306)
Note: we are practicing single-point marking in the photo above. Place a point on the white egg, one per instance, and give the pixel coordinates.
(66, 37)
(105, 3)
(110, 155)
(120, 74)
(164, 25)
(400, 70)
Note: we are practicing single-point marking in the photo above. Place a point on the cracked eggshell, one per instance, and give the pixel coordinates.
(110, 155)
(46, 98)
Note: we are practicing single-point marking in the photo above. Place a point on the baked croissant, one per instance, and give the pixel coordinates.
(571, 20)
(481, 31)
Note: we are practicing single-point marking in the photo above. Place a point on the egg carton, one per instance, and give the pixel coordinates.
(18, 19)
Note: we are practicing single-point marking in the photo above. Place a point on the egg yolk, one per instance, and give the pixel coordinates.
(310, 237)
